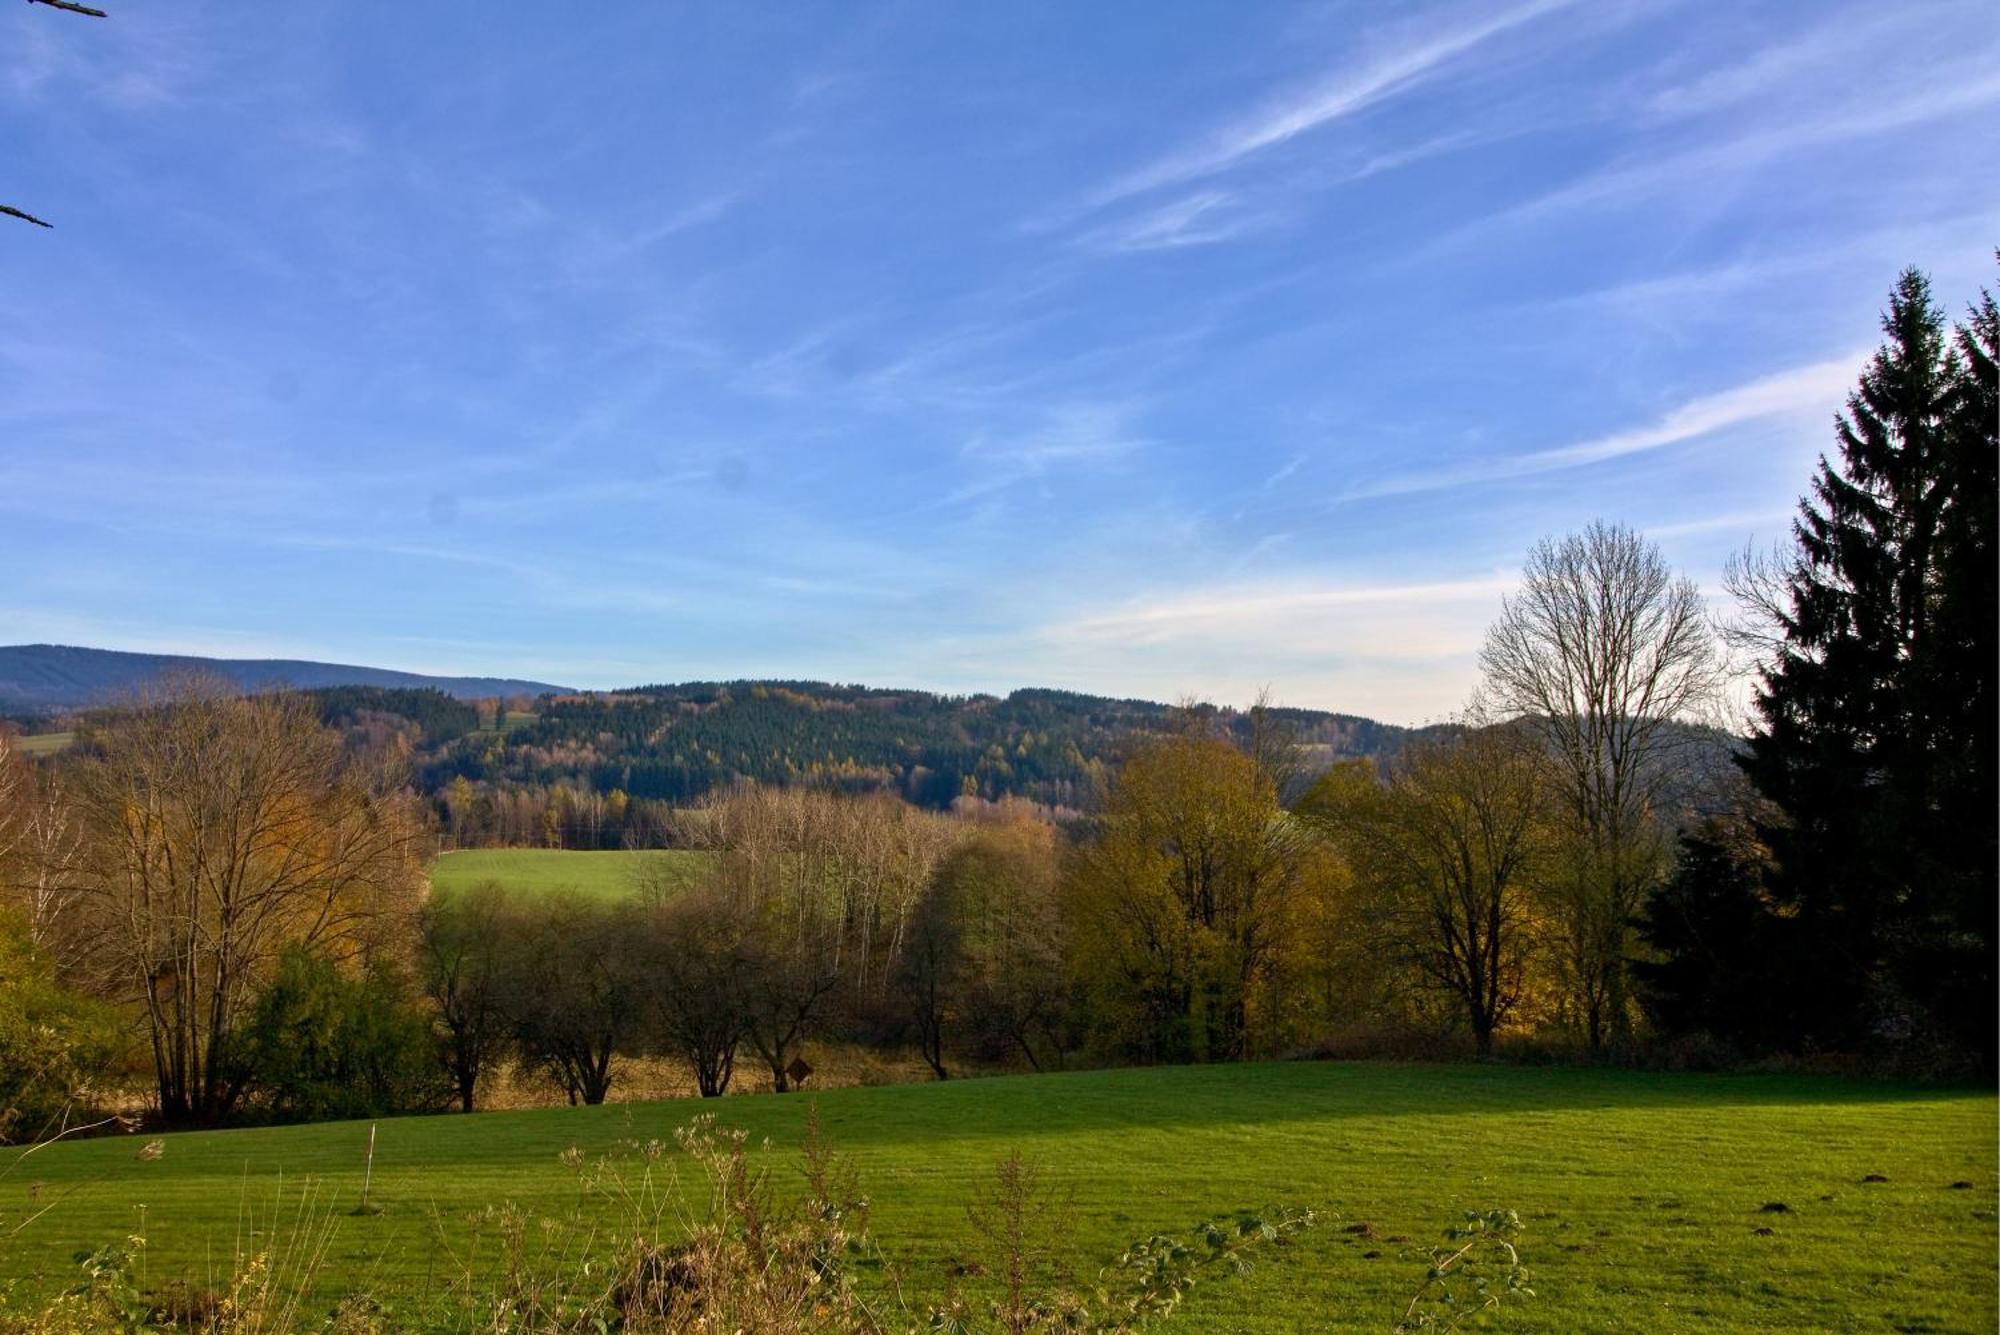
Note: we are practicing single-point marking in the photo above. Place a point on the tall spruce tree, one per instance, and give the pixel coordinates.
(1867, 738)
(1961, 880)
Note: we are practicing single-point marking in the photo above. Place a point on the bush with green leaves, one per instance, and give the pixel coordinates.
(324, 1043)
(54, 1044)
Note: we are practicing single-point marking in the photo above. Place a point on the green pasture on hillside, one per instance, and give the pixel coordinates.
(1642, 1193)
(512, 721)
(44, 743)
(608, 875)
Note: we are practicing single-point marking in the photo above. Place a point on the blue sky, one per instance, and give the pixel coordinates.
(1154, 350)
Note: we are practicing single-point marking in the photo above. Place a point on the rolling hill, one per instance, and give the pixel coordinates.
(50, 678)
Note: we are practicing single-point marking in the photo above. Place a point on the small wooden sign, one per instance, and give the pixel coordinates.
(799, 1070)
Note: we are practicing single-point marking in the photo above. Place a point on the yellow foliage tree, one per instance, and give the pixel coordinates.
(1189, 906)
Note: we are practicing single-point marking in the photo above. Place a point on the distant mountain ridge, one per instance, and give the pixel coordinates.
(48, 678)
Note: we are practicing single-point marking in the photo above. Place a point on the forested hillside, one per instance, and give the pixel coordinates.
(673, 743)
(603, 770)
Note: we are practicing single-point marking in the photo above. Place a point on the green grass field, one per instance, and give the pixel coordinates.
(45, 743)
(513, 721)
(608, 875)
(1641, 1193)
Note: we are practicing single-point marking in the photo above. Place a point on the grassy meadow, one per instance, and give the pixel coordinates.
(513, 720)
(45, 743)
(1642, 1194)
(601, 875)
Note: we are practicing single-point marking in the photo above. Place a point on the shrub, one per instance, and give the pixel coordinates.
(53, 1042)
(321, 1044)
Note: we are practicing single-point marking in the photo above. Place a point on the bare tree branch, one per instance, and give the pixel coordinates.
(12, 212)
(72, 7)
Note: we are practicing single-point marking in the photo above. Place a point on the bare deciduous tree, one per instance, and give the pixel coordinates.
(1605, 653)
(789, 983)
(219, 829)
(48, 883)
(41, 856)
(845, 872)
(577, 995)
(14, 784)
(787, 961)
(698, 955)
(461, 957)
(928, 972)
(1759, 581)
(1016, 938)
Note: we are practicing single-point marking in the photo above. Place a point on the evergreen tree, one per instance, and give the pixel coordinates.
(1962, 875)
(1887, 622)
(1712, 933)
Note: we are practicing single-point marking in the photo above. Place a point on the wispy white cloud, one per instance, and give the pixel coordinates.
(1347, 92)
(601, 249)
(1813, 55)
(1819, 385)
(962, 453)
(599, 495)
(1074, 434)
(1693, 173)
(1740, 521)
(143, 62)
(1407, 648)
(1957, 251)
(1199, 219)
(1224, 609)
(1285, 470)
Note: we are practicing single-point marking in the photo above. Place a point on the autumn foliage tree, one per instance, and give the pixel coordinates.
(220, 830)
(1018, 995)
(1449, 846)
(1190, 898)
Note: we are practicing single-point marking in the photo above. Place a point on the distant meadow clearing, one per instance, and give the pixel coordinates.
(608, 875)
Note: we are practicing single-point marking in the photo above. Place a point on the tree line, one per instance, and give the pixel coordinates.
(236, 886)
